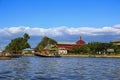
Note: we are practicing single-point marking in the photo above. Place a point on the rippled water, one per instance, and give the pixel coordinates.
(64, 68)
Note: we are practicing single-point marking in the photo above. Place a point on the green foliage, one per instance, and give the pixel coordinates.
(18, 44)
(81, 49)
(46, 40)
(96, 48)
(26, 36)
(118, 51)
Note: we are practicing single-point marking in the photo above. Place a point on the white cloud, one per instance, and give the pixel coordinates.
(59, 31)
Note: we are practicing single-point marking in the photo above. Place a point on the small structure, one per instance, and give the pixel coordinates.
(62, 51)
(116, 42)
(28, 52)
(110, 51)
(65, 47)
(4, 55)
(49, 50)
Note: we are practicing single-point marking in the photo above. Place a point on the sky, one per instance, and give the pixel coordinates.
(62, 20)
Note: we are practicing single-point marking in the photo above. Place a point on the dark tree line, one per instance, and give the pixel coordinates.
(96, 48)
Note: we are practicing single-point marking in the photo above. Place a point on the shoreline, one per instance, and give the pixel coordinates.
(91, 56)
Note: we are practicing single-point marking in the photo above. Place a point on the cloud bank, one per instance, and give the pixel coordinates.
(62, 33)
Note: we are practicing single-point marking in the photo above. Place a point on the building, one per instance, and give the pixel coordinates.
(28, 51)
(1, 52)
(49, 50)
(116, 42)
(65, 47)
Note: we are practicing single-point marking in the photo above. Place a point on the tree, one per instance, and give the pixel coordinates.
(26, 36)
(81, 49)
(115, 47)
(18, 44)
(46, 40)
(95, 47)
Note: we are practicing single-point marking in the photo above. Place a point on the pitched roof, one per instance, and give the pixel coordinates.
(27, 49)
(80, 42)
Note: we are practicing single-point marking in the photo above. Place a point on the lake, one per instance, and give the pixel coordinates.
(64, 68)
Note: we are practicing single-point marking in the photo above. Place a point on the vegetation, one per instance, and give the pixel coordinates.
(18, 44)
(46, 40)
(93, 48)
(96, 48)
(81, 49)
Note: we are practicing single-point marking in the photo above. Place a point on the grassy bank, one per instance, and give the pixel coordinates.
(97, 56)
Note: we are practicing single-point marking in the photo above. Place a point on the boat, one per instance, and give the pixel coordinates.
(15, 55)
(49, 50)
(5, 58)
(45, 55)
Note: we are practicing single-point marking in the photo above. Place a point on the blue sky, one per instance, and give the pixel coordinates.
(55, 13)
(63, 20)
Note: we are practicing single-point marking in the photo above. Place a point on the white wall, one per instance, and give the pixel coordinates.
(61, 51)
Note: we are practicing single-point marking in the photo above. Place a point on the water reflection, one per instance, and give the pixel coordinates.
(65, 68)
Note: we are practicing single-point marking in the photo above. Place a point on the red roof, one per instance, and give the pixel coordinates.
(66, 46)
(80, 42)
(69, 46)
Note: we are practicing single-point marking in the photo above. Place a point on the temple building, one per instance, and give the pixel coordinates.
(65, 47)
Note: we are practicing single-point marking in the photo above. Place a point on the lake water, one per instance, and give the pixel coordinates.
(64, 68)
